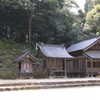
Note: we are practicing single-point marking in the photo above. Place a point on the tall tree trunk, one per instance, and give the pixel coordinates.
(29, 28)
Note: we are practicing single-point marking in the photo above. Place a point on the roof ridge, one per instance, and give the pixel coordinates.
(81, 45)
(54, 45)
(54, 50)
(85, 40)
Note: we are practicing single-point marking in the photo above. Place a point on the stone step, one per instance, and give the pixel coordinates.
(46, 85)
(43, 83)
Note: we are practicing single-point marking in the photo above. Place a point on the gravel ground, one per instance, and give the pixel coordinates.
(82, 93)
(46, 80)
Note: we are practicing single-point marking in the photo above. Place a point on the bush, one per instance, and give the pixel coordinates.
(8, 73)
(40, 73)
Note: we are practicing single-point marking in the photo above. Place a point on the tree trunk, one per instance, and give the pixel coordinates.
(30, 29)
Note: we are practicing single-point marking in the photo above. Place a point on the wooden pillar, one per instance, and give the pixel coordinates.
(19, 69)
(87, 74)
(79, 66)
(49, 67)
(65, 67)
(91, 68)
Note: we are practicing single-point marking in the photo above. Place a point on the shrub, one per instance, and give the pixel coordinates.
(40, 73)
(8, 73)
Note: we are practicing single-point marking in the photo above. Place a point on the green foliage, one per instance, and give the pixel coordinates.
(88, 5)
(48, 21)
(40, 73)
(52, 23)
(77, 32)
(8, 52)
(71, 4)
(95, 2)
(36, 21)
(93, 19)
(8, 73)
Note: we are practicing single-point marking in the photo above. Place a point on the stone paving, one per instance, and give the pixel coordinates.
(46, 80)
(27, 84)
(83, 93)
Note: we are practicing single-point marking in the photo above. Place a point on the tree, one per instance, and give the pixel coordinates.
(13, 19)
(88, 5)
(95, 2)
(93, 20)
(71, 4)
(21, 7)
(48, 21)
(53, 20)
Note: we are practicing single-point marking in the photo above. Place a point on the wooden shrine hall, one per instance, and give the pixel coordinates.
(87, 58)
(55, 57)
(25, 63)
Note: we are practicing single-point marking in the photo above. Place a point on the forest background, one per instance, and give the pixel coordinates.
(23, 23)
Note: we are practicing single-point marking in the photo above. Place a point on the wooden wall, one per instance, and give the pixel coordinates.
(93, 66)
(55, 63)
(56, 67)
(26, 65)
(76, 66)
(95, 47)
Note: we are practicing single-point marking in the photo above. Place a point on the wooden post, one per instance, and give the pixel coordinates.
(49, 67)
(86, 68)
(91, 68)
(65, 67)
(19, 65)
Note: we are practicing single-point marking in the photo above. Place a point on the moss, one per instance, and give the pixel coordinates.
(8, 51)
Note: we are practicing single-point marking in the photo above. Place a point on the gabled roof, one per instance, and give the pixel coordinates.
(55, 51)
(93, 54)
(23, 55)
(82, 45)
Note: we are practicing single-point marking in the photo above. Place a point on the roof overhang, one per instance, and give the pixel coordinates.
(93, 54)
(24, 56)
(85, 49)
(67, 56)
(83, 45)
(54, 51)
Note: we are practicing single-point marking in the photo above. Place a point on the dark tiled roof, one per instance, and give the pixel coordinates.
(51, 50)
(93, 54)
(82, 45)
(24, 54)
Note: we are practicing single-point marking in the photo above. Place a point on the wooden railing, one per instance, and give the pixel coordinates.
(57, 73)
(26, 75)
